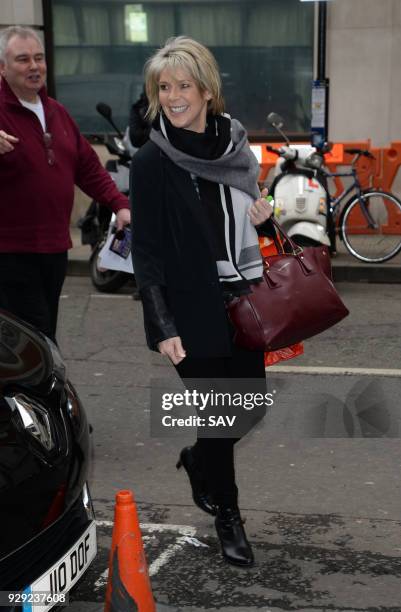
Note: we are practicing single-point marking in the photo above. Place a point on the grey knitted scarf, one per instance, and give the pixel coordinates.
(238, 168)
(227, 183)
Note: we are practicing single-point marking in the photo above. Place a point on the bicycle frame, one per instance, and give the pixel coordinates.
(335, 202)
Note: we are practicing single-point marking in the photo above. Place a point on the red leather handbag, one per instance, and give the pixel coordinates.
(295, 300)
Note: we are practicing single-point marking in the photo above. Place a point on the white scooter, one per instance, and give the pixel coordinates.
(300, 192)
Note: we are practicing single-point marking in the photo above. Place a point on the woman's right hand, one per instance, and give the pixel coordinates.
(172, 347)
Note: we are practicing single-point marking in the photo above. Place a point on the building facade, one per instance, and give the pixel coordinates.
(96, 50)
(266, 55)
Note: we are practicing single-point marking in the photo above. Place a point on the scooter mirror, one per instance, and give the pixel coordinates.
(104, 110)
(327, 147)
(275, 120)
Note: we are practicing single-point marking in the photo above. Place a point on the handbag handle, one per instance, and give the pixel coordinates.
(295, 252)
(296, 249)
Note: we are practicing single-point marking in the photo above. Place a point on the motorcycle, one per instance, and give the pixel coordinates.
(300, 191)
(95, 224)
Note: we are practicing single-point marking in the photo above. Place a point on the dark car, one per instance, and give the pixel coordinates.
(47, 527)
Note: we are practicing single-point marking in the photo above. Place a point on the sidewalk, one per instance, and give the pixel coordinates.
(319, 479)
(345, 267)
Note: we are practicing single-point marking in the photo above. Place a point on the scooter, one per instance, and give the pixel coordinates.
(300, 191)
(95, 224)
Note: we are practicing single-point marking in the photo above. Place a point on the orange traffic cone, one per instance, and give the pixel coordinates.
(128, 586)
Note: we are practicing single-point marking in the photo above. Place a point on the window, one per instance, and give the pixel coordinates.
(264, 49)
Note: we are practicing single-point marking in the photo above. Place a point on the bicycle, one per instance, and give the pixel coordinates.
(370, 221)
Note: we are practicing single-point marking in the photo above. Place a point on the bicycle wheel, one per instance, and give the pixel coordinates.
(373, 244)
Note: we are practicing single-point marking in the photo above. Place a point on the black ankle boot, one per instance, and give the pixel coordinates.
(199, 490)
(234, 544)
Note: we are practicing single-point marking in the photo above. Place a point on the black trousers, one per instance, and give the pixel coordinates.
(215, 455)
(30, 287)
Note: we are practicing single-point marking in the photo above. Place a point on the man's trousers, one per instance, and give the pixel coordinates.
(30, 287)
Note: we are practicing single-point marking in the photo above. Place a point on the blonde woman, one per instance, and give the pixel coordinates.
(196, 203)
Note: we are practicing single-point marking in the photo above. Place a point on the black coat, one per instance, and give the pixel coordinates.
(172, 257)
(173, 260)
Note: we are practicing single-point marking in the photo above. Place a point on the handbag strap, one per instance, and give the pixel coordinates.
(296, 249)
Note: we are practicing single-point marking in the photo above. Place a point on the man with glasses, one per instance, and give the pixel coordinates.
(42, 156)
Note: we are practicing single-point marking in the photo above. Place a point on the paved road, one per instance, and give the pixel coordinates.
(319, 479)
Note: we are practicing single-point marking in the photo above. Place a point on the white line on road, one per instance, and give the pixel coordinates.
(166, 556)
(102, 580)
(334, 371)
(107, 296)
(103, 296)
(104, 523)
(183, 530)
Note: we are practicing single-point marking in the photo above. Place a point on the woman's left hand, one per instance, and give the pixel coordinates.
(260, 210)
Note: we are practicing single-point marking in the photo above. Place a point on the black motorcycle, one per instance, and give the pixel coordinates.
(95, 224)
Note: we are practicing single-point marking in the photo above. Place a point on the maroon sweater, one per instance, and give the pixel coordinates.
(36, 198)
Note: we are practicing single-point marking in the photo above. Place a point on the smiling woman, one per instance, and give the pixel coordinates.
(196, 203)
(181, 100)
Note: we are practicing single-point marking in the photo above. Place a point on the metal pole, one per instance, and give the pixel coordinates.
(322, 23)
(49, 45)
(320, 88)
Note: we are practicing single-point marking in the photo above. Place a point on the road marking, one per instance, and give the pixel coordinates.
(103, 296)
(166, 556)
(102, 580)
(334, 371)
(108, 296)
(184, 531)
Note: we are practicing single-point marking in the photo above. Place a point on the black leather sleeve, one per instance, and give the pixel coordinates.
(159, 322)
(148, 254)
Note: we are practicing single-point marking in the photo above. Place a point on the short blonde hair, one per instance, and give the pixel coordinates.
(186, 54)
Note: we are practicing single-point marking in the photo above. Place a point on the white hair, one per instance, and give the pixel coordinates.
(7, 33)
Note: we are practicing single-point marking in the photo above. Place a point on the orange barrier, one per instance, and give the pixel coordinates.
(379, 172)
(128, 586)
(390, 162)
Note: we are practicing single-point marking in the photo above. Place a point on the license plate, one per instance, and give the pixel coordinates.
(64, 574)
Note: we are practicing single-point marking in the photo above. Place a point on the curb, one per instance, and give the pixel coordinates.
(368, 273)
(348, 273)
